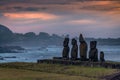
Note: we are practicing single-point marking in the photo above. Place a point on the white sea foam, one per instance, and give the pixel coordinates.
(112, 53)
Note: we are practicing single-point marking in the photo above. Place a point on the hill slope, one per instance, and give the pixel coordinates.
(5, 34)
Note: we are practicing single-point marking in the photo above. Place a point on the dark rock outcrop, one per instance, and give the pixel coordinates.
(83, 48)
(11, 49)
(65, 53)
(74, 50)
(93, 53)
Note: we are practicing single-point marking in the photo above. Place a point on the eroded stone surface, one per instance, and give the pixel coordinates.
(102, 56)
(74, 50)
(93, 53)
(65, 53)
(83, 48)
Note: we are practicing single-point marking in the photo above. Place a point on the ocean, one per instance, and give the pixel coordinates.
(32, 54)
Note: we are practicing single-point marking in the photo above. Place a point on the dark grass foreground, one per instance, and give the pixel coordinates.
(115, 76)
(44, 71)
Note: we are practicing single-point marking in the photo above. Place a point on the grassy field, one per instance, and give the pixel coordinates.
(34, 71)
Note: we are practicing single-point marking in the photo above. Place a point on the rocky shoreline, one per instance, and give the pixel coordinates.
(11, 49)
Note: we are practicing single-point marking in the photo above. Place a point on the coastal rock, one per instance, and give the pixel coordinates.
(10, 49)
(1, 58)
(83, 48)
(10, 57)
(74, 50)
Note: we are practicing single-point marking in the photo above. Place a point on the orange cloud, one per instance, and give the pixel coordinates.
(101, 3)
(42, 16)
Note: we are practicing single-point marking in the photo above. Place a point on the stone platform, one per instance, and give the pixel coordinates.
(59, 60)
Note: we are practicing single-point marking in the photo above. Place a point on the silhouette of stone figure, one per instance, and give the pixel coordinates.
(93, 53)
(83, 48)
(65, 53)
(102, 56)
(74, 50)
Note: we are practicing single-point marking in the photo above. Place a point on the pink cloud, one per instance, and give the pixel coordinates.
(82, 21)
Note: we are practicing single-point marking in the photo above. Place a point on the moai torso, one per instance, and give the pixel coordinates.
(65, 53)
(83, 48)
(74, 50)
(93, 53)
(102, 56)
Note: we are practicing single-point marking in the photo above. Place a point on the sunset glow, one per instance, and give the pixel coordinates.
(42, 16)
(82, 22)
(92, 18)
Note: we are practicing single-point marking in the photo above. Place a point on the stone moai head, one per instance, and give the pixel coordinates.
(74, 42)
(93, 44)
(102, 56)
(66, 42)
(81, 39)
(102, 53)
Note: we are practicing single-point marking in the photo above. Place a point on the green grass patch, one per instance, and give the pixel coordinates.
(34, 71)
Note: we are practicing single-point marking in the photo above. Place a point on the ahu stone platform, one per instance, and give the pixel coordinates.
(59, 60)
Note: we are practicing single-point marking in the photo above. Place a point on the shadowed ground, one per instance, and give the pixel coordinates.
(115, 76)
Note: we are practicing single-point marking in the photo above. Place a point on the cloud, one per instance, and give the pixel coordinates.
(1, 14)
(82, 22)
(48, 2)
(93, 18)
(19, 8)
(41, 16)
(33, 9)
(102, 6)
(72, 6)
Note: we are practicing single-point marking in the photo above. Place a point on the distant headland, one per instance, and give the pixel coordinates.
(7, 37)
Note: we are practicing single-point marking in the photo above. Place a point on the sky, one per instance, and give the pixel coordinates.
(98, 19)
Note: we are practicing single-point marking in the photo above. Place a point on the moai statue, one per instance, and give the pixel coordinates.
(74, 50)
(93, 53)
(65, 53)
(83, 48)
(102, 56)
